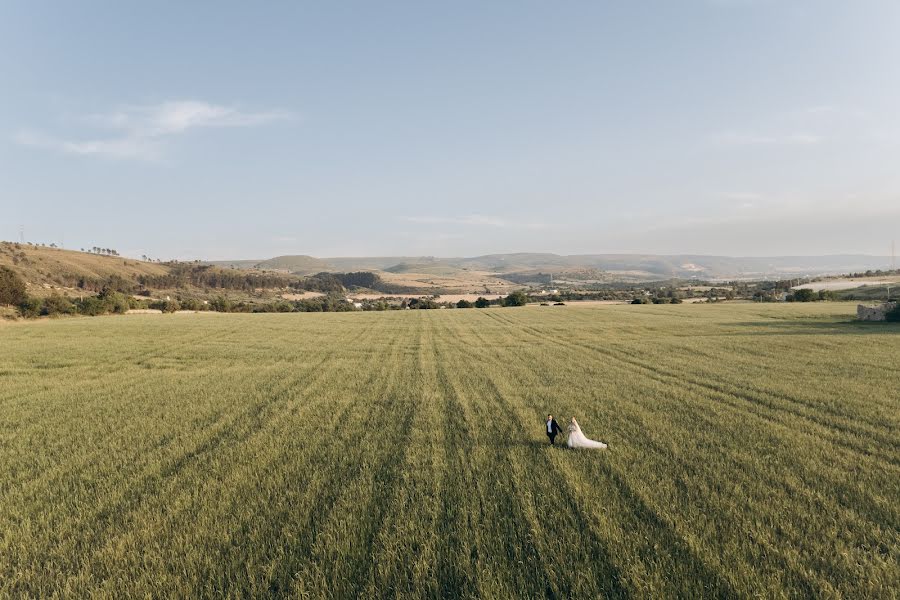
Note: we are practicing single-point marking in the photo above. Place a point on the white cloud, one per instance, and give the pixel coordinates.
(169, 118)
(141, 128)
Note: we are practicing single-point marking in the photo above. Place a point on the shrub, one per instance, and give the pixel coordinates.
(422, 303)
(517, 298)
(804, 295)
(57, 305)
(91, 306)
(115, 302)
(12, 288)
(893, 315)
(192, 304)
(30, 307)
(167, 306)
(221, 304)
(283, 306)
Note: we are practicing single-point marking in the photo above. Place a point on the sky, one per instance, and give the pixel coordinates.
(226, 130)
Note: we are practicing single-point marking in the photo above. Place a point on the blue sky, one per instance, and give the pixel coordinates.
(248, 130)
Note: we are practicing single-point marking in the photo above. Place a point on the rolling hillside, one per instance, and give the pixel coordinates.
(47, 268)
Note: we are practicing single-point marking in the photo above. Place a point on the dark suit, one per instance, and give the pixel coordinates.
(553, 429)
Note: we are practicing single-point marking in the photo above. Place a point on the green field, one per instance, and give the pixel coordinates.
(754, 451)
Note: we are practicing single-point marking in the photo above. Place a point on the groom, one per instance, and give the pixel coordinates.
(552, 428)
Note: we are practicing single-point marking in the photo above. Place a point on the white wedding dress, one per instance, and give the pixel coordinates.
(578, 440)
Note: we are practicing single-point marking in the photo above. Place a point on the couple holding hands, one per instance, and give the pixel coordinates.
(576, 439)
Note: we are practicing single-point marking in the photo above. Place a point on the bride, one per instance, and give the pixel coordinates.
(578, 440)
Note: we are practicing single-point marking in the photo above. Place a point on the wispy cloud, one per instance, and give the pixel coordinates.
(140, 130)
(475, 220)
(123, 147)
(169, 118)
(742, 138)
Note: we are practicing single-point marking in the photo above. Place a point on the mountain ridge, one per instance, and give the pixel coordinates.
(634, 265)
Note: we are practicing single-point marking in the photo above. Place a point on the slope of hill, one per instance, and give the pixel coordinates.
(46, 268)
(300, 263)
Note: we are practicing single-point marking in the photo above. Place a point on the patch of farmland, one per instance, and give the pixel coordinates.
(754, 450)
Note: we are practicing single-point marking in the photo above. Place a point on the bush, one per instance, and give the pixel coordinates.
(464, 304)
(283, 306)
(482, 302)
(192, 304)
(114, 302)
(517, 298)
(57, 305)
(893, 315)
(804, 295)
(422, 303)
(91, 306)
(221, 304)
(12, 288)
(167, 306)
(30, 307)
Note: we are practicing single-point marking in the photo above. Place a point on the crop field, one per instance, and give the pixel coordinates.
(754, 450)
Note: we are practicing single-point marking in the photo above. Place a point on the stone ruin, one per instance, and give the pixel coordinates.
(874, 313)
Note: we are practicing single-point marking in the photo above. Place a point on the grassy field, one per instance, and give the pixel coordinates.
(754, 451)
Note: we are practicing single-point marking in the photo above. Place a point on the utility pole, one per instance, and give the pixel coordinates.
(893, 267)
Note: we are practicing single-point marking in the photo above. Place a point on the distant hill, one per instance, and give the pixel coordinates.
(629, 267)
(47, 268)
(302, 264)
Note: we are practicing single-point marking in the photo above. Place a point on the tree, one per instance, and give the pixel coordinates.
(804, 295)
(463, 303)
(482, 302)
(114, 301)
(517, 298)
(12, 287)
